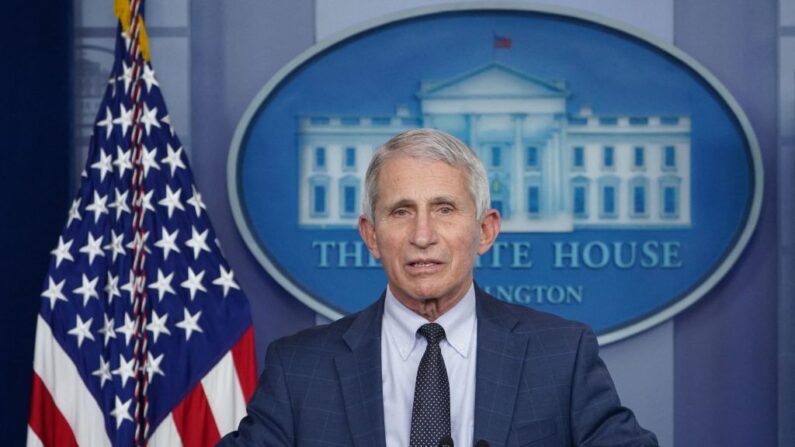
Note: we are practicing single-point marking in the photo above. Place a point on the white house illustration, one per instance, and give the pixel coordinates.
(549, 170)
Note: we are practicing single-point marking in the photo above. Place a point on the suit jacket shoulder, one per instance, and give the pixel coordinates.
(326, 337)
(540, 377)
(524, 321)
(320, 387)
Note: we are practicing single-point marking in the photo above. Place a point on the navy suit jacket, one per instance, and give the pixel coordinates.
(540, 382)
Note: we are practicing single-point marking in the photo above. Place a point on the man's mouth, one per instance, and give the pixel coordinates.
(424, 265)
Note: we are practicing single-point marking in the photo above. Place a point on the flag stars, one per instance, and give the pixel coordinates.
(149, 118)
(61, 252)
(107, 122)
(112, 287)
(121, 411)
(107, 331)
(126, 75)
(158, 325)
(54, 292)
(124, 119)
(103, 372)
(173, 159)
(148, 77)
(148, 160)
(104, 165)
(152, 367)
(82, 330)
(168, 242)
(167, 121)
(128, 329)
(120, 203)
(171, 201)
(88, 289)
(198, 242)
(126, 370)
(92, 248)
(226, 280)
(112, 84)
(98, 206)
(129, 287)
(146, 201)
(196, 201)
(127, 41)
(194, 283)
(163, 284)
(190, 323)
(123, 161)
(74, 212)
(115, 245)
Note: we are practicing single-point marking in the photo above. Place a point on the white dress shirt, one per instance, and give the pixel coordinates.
(401, 351)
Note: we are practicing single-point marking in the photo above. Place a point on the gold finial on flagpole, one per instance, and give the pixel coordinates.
(122, 10)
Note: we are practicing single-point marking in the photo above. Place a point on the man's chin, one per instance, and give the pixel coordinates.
(433, 297)
(417, 296)
(426, 294)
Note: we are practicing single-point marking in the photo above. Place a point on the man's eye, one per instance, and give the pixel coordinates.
(446, 210)
(400, 212)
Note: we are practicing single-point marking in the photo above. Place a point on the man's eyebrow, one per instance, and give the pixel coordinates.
(399, 204)
(443, 199)
(438, 200)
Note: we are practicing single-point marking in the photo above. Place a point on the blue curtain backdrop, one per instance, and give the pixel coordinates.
(36, 140)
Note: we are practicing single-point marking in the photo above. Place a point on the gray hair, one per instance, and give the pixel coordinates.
(434, 145)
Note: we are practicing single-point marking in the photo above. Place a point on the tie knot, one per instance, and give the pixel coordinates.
(433, 332)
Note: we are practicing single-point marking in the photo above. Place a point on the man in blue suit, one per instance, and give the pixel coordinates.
(435, 359)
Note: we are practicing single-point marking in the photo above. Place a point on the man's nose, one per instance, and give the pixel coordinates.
(424, 233)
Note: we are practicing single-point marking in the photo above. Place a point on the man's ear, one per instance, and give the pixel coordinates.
(489, 229)
(367, 232)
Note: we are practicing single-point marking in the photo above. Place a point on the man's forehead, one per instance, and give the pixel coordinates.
(414, 183)
(419, 169)
(424, 160)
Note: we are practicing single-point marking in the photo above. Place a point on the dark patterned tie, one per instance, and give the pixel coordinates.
(430, 415)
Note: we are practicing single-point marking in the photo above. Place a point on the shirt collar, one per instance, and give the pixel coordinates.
(459, 323)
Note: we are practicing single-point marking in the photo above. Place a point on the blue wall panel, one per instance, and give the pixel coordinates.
(725, 345)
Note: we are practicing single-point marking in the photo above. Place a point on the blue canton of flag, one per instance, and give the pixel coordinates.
(173, 362)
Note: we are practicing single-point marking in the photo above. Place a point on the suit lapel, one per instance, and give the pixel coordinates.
(360, 377)
(500, 358)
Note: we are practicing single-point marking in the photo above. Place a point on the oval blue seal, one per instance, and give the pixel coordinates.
(628, 178)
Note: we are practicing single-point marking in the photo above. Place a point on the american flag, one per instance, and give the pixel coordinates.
(502, 42)
(144, 336)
